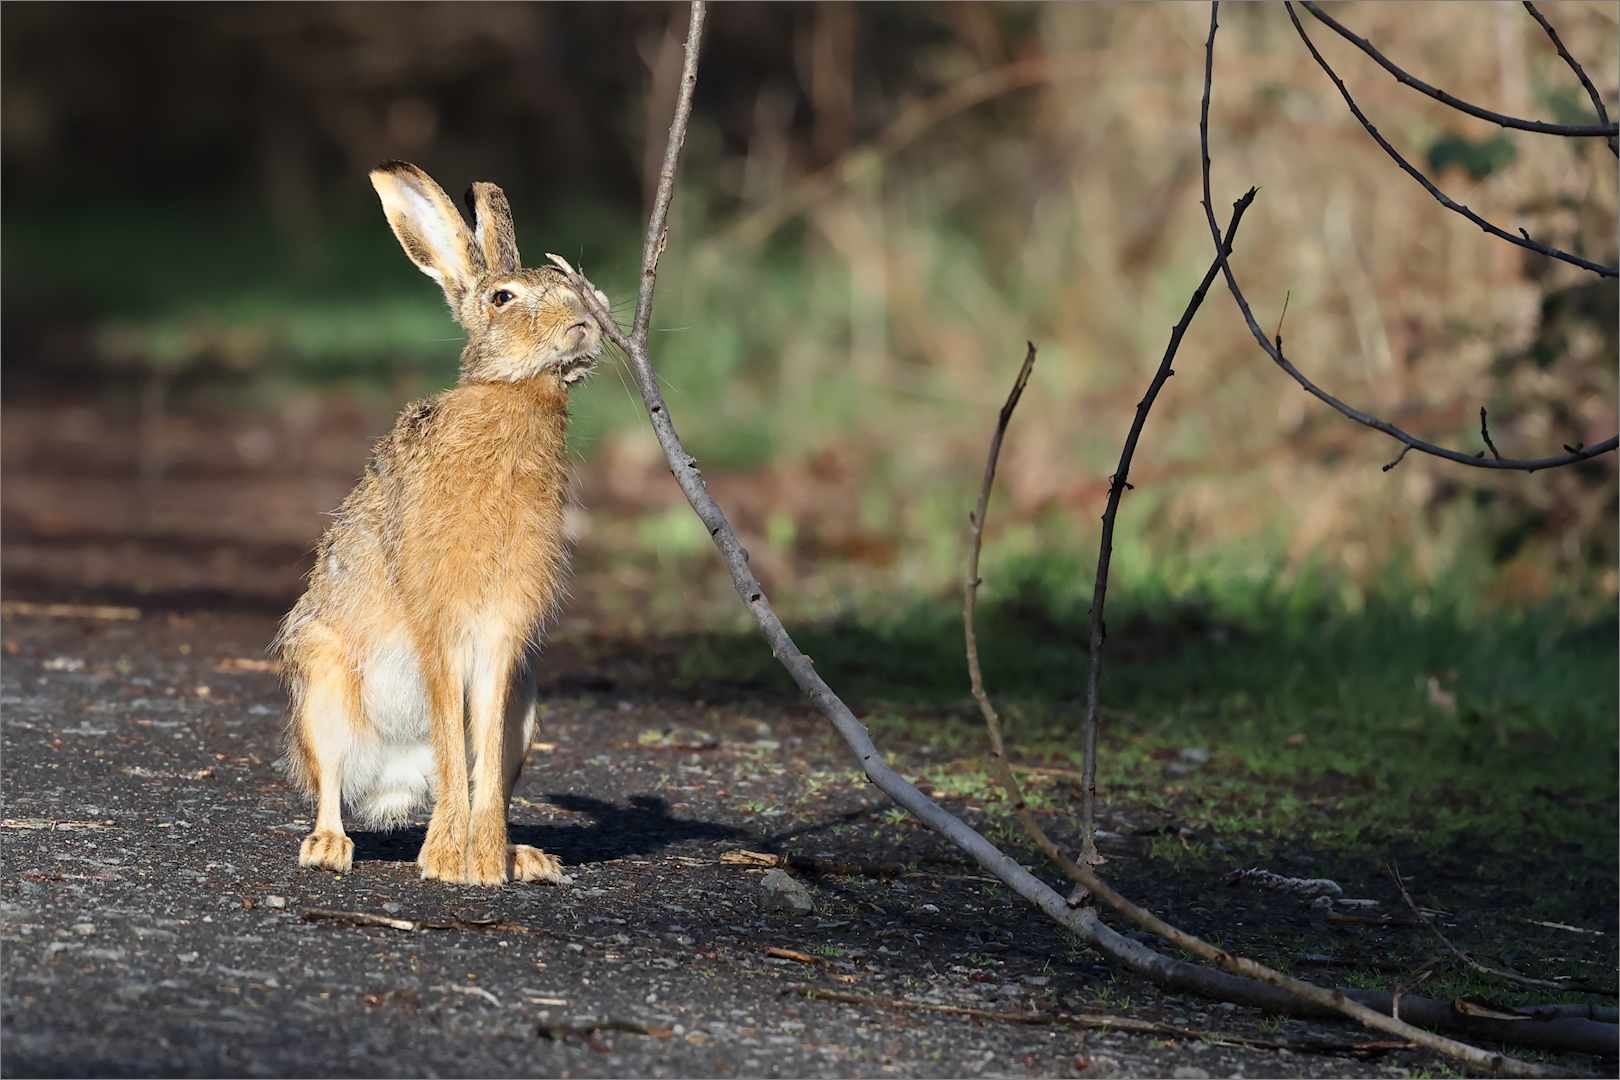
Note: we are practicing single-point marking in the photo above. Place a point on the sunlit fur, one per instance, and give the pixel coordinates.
(410, 660)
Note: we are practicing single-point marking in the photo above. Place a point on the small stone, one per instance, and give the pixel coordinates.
(187, 958)
(1035, 980)
(275, 901)
(1190, 1072)
(84, 929)
(391, 907)
(779, 892)
(931, 909)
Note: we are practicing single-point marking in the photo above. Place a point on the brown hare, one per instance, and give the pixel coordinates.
(410, 659)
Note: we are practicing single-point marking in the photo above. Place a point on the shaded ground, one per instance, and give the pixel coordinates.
(152, 901)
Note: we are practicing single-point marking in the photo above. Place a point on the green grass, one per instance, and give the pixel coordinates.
(1321, 724)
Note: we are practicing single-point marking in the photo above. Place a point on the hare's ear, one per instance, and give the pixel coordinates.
(429, 228)
(492, 224)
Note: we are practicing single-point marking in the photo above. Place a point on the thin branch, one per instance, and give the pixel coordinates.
(1081, 920)
(658, 220)
(1605, 129)
(1272, 350)
(970, 590)
(1580, 73)
(1440, 196)
(1105, 548)
(1103, 1021)
(1458, 953)
(1337, 1000)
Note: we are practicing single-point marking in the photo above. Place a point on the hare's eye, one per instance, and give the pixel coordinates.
(501, 297)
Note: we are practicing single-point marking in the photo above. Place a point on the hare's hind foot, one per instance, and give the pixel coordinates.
(525, 863)
(325, 850)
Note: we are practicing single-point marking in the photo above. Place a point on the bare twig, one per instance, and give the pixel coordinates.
(1082, 920)
(1510, 976)
(1440, 196)
(999, 764)
(1604, 129)
(358, 918)
(1485, 433)
(366, 918)
(586, 1027)
(1410, 442)
(1580, 73)
(1104, 1021)
(1117, 485)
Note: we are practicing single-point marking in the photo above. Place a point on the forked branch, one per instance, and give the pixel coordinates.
(1274, 349)
(1580, 73)
(1444, 200)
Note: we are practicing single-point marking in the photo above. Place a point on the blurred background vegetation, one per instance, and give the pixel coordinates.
(205, 318)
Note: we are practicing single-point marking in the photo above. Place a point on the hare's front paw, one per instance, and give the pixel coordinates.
(443, 856)
(327, 851)
(525, 863)
(487, 857)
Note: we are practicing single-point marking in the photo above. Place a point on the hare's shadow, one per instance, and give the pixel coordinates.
(644, 826)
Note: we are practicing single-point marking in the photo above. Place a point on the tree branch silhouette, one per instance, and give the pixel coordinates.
(1441, 197)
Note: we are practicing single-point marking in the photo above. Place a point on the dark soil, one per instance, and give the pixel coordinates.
(152, 901)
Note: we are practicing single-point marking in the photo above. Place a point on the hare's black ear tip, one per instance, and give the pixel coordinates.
(393, 168)
(470, 198)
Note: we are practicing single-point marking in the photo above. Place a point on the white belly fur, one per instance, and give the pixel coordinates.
(388, 771)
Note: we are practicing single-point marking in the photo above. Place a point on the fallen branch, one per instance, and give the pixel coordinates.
(1105, 1021)
(1441, 197)
(1082, 921)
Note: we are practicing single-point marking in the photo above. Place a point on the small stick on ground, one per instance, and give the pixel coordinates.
(1104, 1021)
(586, 1027)
(1458, 953)
(992, 722)
(366, 918)
(764, 860)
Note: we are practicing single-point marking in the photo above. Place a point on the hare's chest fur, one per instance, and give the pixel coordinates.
(473, 483)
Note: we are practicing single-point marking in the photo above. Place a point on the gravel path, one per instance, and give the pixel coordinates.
(154, 912)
